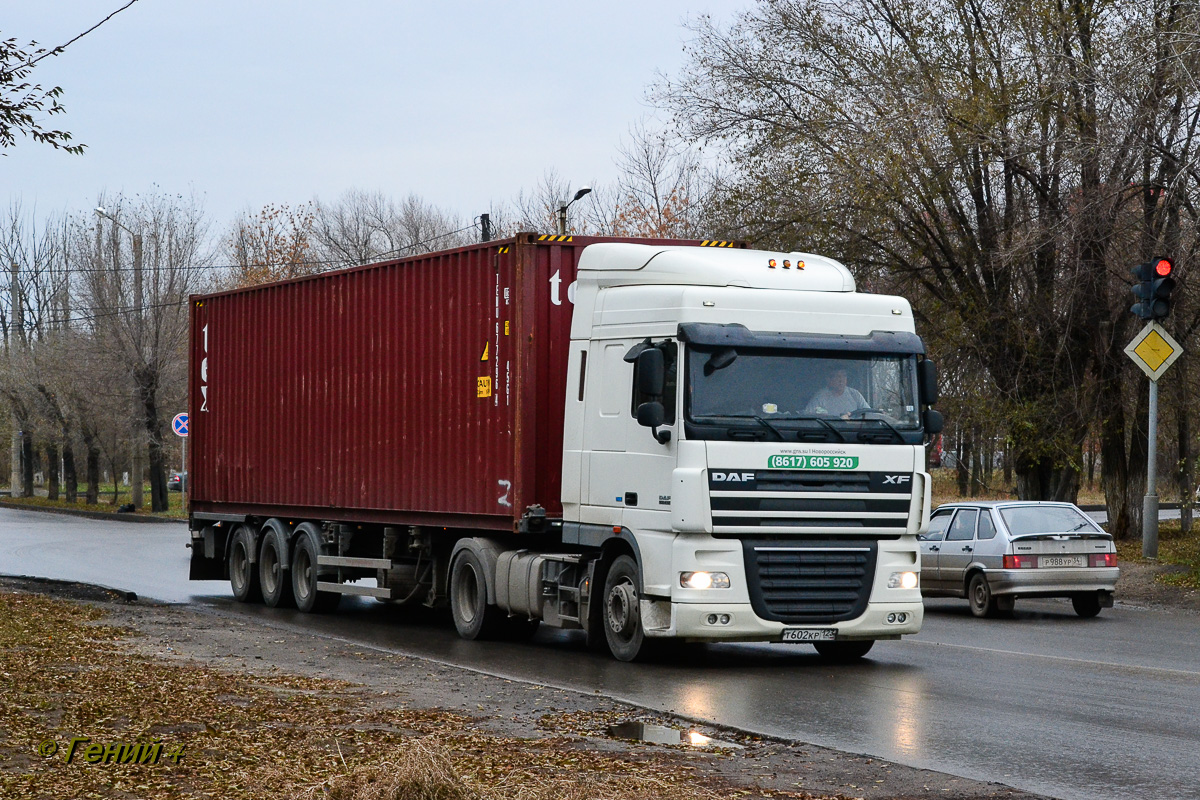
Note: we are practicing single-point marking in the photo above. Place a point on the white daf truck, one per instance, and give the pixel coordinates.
(742, 449)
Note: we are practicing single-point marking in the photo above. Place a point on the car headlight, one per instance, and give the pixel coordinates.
(704, 580)
(903, 580)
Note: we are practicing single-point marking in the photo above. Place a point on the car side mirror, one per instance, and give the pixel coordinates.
(932, 421)
(927, 382)
(652, 415)
(651, 373)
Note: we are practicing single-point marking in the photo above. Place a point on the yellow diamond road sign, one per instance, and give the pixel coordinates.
(1153, 350)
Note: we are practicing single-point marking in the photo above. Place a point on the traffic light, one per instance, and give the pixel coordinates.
(1152, 287)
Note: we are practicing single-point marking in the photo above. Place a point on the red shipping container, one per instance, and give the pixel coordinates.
(422, 391)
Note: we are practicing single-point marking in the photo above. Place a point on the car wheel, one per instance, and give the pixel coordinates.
(473, 617)
(842, 652)
(979, 595)
(275, 582)
(304, 578)
(1086, 605)
(621, 612)
(243, 578)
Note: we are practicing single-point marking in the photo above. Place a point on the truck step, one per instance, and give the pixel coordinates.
(347, 561)
(350, 588)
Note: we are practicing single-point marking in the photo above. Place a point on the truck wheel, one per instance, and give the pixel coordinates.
(1086, 605)
(843, 652)
(473, 617)
(304, 579)
(276, 584)
(243, 578)
(622, 616)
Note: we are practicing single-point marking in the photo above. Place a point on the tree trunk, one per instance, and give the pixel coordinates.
(116, 482)
(27, 464)
(93, 471)
(1008, 471)
(52, 471)
(70, 477)
(1186, 481)
(976, 464)
(148, 387)
(960, 463)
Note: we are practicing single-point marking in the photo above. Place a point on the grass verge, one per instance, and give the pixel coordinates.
(64, 675)
(175, 509)
(1174, 548)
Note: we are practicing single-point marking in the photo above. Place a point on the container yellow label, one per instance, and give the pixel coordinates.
(483, 387)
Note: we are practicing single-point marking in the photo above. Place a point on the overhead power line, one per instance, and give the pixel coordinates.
(203, 267)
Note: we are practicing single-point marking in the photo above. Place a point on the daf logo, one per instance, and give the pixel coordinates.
(732, 477)
(897, 479)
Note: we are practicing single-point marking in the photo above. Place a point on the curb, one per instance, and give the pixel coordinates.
(108, 515)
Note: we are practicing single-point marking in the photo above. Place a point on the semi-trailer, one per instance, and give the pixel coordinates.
(648, 440)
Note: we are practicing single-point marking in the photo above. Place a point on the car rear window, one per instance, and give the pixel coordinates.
(1045, 519)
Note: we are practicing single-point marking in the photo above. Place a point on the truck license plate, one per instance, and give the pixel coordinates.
(1062, 561)
(809, 634)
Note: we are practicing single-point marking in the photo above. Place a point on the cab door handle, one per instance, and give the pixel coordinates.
(933, 548)
(968, 549)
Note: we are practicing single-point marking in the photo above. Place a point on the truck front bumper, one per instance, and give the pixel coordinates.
(737, 622)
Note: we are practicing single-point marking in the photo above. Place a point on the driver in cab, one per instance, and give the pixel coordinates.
(836, 399)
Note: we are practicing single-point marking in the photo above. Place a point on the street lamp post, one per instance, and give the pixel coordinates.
(135, 468)
(564, 205)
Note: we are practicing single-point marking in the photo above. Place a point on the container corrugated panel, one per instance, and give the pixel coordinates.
(428, 390)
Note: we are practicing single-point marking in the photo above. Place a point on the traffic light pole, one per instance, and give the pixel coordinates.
(1150, 501)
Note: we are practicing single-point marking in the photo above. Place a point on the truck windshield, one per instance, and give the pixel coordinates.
(801, 395)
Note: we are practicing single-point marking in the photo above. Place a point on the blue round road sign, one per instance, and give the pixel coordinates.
(180, 424)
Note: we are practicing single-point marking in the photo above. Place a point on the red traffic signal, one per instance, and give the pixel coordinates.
(1153, 288)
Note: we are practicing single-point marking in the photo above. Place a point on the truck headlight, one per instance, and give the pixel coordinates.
(704, 580)
(902, 580)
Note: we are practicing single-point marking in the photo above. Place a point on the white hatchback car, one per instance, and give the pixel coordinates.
(994, 552)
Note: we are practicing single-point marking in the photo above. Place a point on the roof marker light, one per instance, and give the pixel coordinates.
(799, 265)
(787, 264)
(771, 263)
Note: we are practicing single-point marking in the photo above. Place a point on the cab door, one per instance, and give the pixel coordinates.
(605, 429)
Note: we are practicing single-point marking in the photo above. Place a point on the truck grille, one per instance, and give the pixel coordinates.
(770, 502)
(812, 583)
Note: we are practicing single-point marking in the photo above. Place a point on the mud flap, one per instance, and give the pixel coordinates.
(208, 556)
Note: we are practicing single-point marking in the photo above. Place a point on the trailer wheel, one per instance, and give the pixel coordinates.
(622, 616)
(243, 577)
(276, 584)
(473, 617)
(304, 579)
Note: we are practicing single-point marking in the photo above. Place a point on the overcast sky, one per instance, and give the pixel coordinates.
(248, 102)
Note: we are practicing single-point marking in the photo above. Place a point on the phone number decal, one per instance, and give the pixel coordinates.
(812, 462)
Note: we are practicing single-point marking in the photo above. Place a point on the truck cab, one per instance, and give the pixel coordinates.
(747, 432)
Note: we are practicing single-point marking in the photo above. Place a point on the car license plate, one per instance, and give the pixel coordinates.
(1062, 561)
(809, 634)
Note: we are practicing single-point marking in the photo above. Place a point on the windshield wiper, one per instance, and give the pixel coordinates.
(827, 424)
(885, 423)
(768, 426)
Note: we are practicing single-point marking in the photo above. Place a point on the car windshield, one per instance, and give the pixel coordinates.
(781, 385)
(1046, 519)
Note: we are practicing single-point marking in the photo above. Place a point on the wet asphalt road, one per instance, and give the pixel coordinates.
(1102, 708)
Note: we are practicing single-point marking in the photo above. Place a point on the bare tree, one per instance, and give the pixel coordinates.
(139, 309)
(363, 227)
(992, 158)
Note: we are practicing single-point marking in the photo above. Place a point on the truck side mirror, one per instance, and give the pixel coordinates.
(927, 382)
(651, 373)
(651, 415)
(932, 421)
